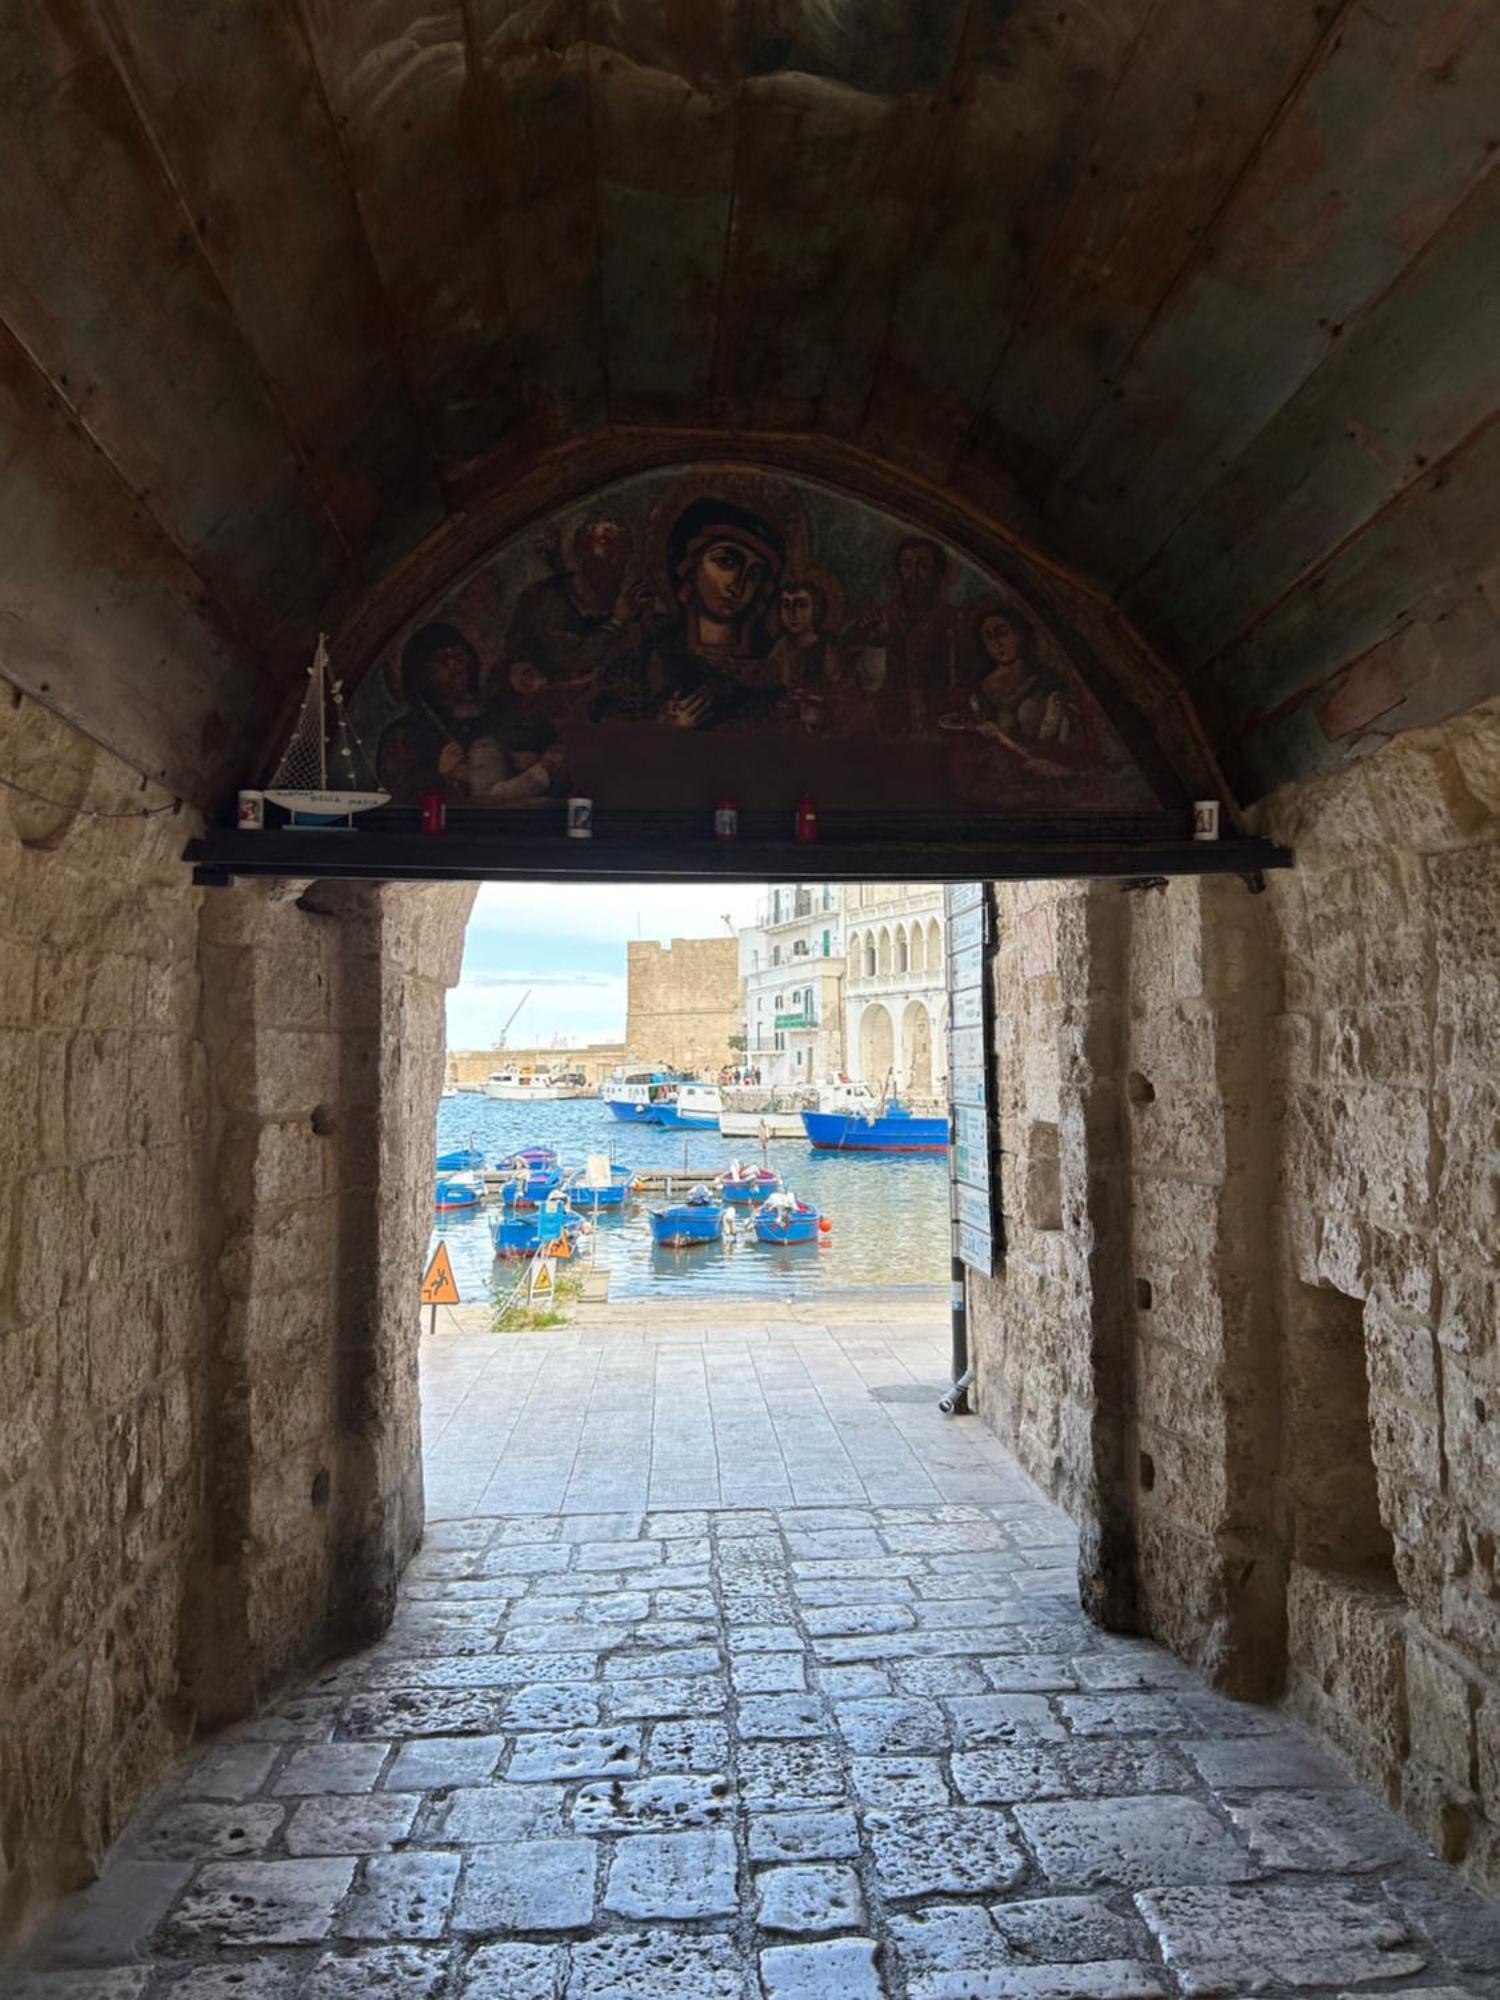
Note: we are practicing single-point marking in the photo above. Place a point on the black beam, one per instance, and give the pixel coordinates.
(491, 857)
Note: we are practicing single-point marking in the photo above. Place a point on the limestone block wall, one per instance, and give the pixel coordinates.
(1246, 1329)
(215, 1184)
(682, 1002)
(103, 1306)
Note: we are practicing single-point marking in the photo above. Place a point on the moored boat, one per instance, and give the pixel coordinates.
(600, 1185)
(519, 1234)
(531, 1175)
(892, 1128)
(526, 1085)
(741, 1184)
(699, 1219)
(783, 1218)
(636, 1096)
(453, 1191)
(694, 1105)
(461, 1160)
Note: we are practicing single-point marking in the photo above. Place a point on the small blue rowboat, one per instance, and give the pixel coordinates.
(785, 1219)
(892, 1129)
(466, 1159)
(533, 1175)
(606, 1194)
(519, 1235)
(456, 1191)
(748, 1184)
(699, 1219)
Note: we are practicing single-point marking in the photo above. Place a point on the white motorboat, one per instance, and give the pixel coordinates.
(526, 1085)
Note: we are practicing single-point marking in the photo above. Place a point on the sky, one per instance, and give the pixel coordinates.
(565, 942)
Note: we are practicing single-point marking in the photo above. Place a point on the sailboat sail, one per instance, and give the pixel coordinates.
(310, 780)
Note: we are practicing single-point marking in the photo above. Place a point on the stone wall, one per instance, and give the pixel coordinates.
(471, 1066)
(103, 1305)
(683, 1002)
(1246, 1329)
(215, 1178)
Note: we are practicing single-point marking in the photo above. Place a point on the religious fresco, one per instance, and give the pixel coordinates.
(686, 633)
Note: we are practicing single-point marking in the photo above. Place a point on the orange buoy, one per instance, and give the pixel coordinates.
(824, 1224)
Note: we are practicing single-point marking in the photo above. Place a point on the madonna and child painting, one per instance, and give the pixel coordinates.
(690, 632)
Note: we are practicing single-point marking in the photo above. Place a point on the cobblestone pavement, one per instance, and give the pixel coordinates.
(816, 1752)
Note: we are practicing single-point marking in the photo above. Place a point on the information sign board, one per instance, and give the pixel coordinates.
(967, 1005)
(975, 1247)
(966, 1048)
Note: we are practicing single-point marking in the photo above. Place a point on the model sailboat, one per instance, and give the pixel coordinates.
(324, 777)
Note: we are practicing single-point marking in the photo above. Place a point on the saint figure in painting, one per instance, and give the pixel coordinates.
(453, 740)
(1015, 699)
(570, 627)
(906, 645)
(706, 663)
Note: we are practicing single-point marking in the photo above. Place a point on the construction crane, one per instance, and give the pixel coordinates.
(500, 1044)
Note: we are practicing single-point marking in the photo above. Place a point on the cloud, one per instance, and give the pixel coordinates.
(498, 981)
(611, 911)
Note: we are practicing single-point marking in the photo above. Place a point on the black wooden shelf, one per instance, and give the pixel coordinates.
(1018, 853)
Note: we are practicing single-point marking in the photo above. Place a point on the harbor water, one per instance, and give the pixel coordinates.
(889, 1210)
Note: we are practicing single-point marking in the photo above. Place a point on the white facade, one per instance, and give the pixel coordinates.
(896, 986)
(792, 963)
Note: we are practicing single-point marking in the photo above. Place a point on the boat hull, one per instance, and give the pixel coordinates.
(678, 1228)
(448, 1195)
(629, 1113)
(683, 1121)
(613, 1196)
(795, 1228)
(519, 1093)
(742, 1193)
(463, 1159)
(838, 1132)
(522, 1235)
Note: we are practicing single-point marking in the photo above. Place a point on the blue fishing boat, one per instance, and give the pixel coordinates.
(699, 1219)
(600, 1193)
(531, 1175)
(453, 1191)
(462, 1160)
(892, 1128)
(782, 1218)
(642, 1096)
(518, 1234)
(741, 1184)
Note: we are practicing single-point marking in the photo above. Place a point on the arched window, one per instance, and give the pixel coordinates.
(885, 953)
(903, 950)
(869, 958)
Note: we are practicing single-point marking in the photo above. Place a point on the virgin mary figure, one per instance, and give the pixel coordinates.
(706, 662)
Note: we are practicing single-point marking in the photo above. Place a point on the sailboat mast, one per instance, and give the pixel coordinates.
(320, 665)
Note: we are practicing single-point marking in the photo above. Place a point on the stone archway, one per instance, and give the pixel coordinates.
(877, 1044)
(916, 1049)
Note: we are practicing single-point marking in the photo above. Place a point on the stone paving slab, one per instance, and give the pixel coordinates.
(692, 1755)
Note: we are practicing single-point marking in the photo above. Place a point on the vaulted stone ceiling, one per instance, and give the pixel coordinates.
(1198, 298)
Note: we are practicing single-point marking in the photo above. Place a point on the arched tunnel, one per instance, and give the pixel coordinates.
(1007, 424)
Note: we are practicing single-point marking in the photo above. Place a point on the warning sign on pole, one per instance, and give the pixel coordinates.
(542, 1286)
(440, 1287)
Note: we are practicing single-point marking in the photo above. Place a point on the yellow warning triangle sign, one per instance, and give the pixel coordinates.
(541, 1278)
(440, 1287)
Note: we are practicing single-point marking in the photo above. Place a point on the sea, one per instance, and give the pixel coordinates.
(889, 1211)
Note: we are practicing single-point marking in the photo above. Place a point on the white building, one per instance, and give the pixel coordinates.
(792, 963)
(896, 986)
